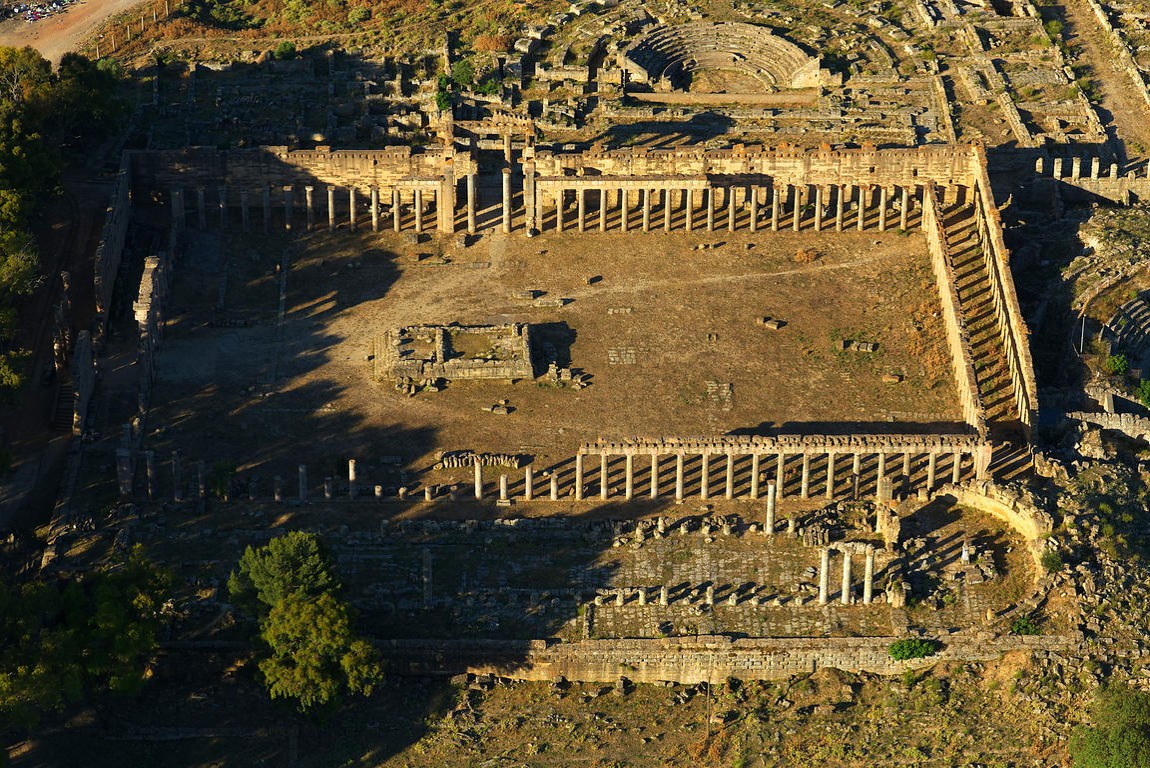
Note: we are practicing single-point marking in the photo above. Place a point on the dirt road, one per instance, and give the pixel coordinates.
(57, 35)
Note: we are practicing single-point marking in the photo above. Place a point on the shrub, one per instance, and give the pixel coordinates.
(1051, 561)
(1120, 737)
(359, 15)
(285, 50)
(913, 648)
(1116, 365)
(462, 72)
(1024, 625)
(1143, 392)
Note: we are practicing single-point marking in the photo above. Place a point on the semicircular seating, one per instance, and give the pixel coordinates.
(670, 51)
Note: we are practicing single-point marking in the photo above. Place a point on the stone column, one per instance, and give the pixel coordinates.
(604, 485)
(902, 215)
(824, 574)
(881, 466)
(730, 489)
(244, 220)
(503, 487)
(528, 483)
(581, 203)
(846, 597)
(506, 200)
(663, 595)
(856, 475)
(201, 208)
(868, 576)
(559, 210)
(731, 213)
(861, 222)
(882, 193)
(965, 558)
(624, 217)
(278, 489)
(931, 462)
(705, 476)
(351, 208)
(654, 475)
(819, 208)
(602, 210)
(351, 487)
(710, 209)
(303, 483)
(153, 480)
(507, 148)
(629, 491)
(770, 524)
(177, 485)
(578, 476)
(554, 487)
(418, 205)
(374, 209)
(223, 193)
(780, 477)
(806, 486)
(754, 208)
(796, 215)
(267, 200)
(646, 210)
(201, 482)
(906, 472)
(831, 474)
(840, 199)
(956, 468)
(690, 212)
(679, 476)
(471, 204)
(331, 208)
(289, 208)
(328, 488)
(478, 480)
(666, 210)
(178, 215)
(754, 475)
(775, 208)
(396, 210)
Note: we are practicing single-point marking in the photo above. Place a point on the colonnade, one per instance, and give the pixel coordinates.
(846, 593)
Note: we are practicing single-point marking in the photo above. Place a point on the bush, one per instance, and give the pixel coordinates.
(1051, 561)
(913, 648)
(462, 72)
(1116, 365)
(359, 15)
(285, 50)
(1143, 392)
(1120, 737)
(1024, 625)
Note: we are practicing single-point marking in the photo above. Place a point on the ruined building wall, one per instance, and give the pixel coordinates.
(1015, 335)
(110, 248)
(943, 165)
(957, 338)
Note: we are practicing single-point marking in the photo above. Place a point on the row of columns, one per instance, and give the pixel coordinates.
(846, 596)
(423, 205)
(756, 473)
(796, 197)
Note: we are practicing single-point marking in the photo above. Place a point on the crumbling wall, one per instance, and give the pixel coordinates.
(1017, 507)
(961, 356)
(703, 658)
(83, 369)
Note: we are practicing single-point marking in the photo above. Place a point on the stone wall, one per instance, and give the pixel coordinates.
(1012, 328)
(110, 248)
(83, 369)
(709, 658)
(1017, 507)
(961, 356)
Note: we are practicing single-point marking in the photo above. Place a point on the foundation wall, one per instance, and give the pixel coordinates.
(110, 248)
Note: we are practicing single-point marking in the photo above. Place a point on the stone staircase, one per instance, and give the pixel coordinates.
(976, 304)
(1128, 331)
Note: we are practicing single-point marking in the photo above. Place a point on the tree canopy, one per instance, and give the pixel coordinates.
(312, 654)
(1120, 737)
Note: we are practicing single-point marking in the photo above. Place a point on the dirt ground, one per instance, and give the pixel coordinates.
(59, 34)
(669, 336)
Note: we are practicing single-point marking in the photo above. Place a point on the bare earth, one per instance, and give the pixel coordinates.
(59, 34)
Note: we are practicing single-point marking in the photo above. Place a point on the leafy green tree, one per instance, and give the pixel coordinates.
(1116, 365)
(913, 648)
(315, 655)
(1120, 737)
(1142, 392)
(61, 642)
(86, 98)
(285, 50)
(295, 564)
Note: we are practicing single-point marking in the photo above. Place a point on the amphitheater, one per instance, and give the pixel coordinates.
(671, 54)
